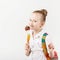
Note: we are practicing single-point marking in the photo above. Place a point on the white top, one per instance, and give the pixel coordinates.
(36, 45)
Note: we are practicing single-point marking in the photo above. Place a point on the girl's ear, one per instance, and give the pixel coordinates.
(42, 23)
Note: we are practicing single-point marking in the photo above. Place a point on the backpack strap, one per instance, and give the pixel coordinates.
(45, 47)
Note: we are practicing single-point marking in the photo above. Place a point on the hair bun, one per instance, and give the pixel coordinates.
(44, 11)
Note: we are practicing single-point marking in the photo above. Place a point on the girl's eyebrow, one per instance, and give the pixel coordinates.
(32, 19)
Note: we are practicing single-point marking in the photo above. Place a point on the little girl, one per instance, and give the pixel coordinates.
(39, 43)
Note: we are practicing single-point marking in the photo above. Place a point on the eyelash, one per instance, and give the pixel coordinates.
(35, 21)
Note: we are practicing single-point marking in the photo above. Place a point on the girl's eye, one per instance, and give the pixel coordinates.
(30, 20)
(35, 21)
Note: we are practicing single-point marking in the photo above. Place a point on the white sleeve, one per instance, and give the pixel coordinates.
(49, 41)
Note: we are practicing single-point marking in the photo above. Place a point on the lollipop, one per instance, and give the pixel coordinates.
(28, 35)
(27, 28)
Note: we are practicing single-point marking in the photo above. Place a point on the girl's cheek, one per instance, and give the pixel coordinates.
(35, 24)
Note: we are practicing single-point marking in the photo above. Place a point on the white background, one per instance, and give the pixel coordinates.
(14, 15)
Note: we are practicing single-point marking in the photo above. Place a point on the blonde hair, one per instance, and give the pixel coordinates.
(43, 12)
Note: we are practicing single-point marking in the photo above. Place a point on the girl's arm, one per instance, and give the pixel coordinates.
(51, 49)
(27, 47)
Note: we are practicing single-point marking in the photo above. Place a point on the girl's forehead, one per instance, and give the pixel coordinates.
(36, 16)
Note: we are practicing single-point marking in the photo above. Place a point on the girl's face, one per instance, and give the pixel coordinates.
(36, 22)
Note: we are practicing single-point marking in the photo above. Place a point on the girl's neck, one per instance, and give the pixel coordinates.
(36, 32)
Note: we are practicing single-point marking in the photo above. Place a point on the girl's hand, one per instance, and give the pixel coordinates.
(27, 49)
(51, 46)
(53, 53)
(51, 49)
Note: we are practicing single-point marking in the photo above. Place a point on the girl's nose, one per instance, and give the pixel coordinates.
(31, 24)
